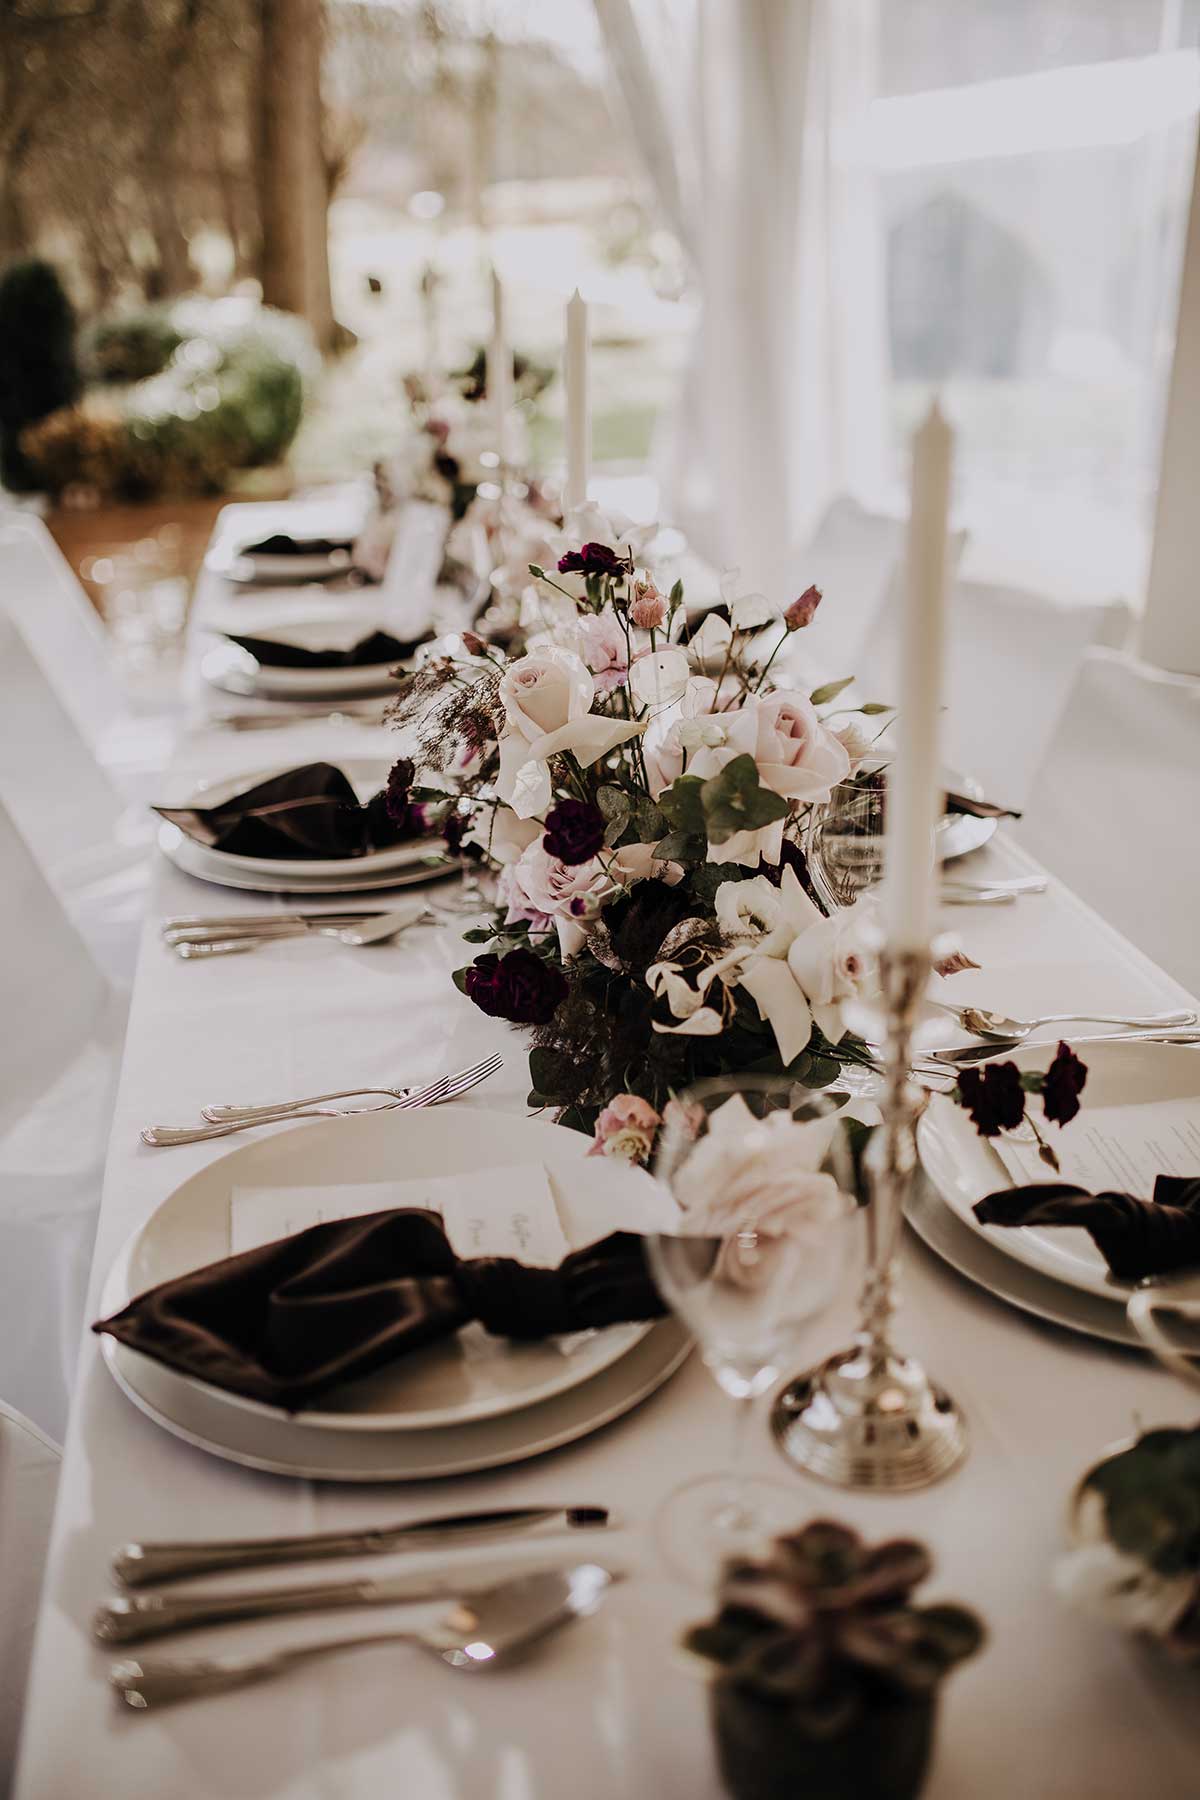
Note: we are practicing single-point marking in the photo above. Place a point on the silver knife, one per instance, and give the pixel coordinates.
(960, 1057)
(140, 1565)
(132, 1618)
(237, 922)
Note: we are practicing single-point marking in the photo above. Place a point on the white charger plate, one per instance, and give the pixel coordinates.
(977, 1258)
(468, 1378)
(193, 859)
(365, 774)
(281, 1447)
(235, 671)
(963, 1166)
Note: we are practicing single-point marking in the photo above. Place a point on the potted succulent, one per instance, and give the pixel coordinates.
(826, 1675)
(1135, 1529)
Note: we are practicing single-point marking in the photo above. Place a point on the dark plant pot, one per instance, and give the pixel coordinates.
(762, 1756)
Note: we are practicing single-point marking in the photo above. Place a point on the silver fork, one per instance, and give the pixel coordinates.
(448, 1088)
(221, 1115)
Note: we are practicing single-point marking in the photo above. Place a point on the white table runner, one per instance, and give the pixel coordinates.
(1055, 1708)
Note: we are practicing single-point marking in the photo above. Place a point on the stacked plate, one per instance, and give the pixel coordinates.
(1054, 1272)
(402, 865)
(232, 669)
(474, 1402)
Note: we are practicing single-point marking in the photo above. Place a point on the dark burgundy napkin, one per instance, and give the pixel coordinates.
(312, 811)
(283, 544)
(376, 647)
(1136, 1238)
(979, 809)
(287, 1321)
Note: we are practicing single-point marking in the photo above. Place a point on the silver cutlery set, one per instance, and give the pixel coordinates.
(223, 1121)
(194, 937)
(473, 1619)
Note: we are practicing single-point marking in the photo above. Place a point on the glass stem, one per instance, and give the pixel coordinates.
(742, 1412)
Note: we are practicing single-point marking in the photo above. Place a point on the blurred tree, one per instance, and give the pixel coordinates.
(292, 171)
(38, 371)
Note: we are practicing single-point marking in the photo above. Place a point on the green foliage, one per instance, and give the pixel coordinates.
(228, 395)
(822, 695)
(38, 371)
(825, 1626)
(1151, 1495)
(735, 800)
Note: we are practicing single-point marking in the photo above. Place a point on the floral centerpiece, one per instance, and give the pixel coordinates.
(1136, 1526)
(639, 784)
(826, 1673)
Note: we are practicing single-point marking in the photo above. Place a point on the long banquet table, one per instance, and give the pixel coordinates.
(1055, 1708)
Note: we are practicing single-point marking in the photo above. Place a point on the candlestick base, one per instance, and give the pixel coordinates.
(869, 1422)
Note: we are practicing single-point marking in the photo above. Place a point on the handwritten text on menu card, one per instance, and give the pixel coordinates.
(1114, 1147)
(510, 1213)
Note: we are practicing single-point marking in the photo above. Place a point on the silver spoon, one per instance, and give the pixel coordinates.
(473, 1633)
(967, 1054)
(998, 1025)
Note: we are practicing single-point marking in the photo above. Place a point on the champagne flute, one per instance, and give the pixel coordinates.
(760, 1169)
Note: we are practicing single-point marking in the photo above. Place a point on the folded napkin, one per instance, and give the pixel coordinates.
(377, 647)
(308, 812)
(978, 809)
(283, 544)
(283, 1322)
(1135, 1237)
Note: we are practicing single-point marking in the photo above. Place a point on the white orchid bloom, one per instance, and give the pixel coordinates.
(665, 978)
(702, 1023)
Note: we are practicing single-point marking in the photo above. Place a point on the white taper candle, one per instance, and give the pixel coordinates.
(579, 418)
(915, 794)
(499, 373)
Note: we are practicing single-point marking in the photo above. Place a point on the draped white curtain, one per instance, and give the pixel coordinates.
(743, 112)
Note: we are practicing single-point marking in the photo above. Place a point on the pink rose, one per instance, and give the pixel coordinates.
(626, 1128)
(605, 649)
(797, 756)
(649, 609)
(549, 887)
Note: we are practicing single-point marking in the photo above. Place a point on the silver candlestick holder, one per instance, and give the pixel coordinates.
(869, 1417)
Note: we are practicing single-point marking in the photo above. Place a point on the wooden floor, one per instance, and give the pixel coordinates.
(180, 528)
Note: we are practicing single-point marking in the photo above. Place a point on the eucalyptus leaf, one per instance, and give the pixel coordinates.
(459, 979)
(682, 805)
(735, 800)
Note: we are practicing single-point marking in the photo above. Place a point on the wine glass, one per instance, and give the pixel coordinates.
(843, 838)
(1165, 1313)
(760, 1168)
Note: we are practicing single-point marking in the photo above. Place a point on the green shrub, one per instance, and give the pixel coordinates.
(228, 393)
(38, 371)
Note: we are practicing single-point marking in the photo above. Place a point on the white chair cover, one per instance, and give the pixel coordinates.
(58, 1061)
(1115, 809)
(853, 557)
(1011, 659)
(29, 1466)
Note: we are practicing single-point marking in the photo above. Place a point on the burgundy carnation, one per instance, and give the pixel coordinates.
(574, 831)
(994, 1097)
(521, 987)
(593, 559)
(1063, 1084)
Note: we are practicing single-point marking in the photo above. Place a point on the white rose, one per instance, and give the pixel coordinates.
(747, 909)
(831, 963)
(758, 1174)
(547, 697)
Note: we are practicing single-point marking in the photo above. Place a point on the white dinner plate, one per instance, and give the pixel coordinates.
(960, 833)
(233, 670)
(193, 859)
(366, 776)
(281, 1447)
(464, 1380)
(963, 1166)
(976, 1257)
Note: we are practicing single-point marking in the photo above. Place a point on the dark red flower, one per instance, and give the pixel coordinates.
(455, 833)
(574, 831)
(521, 987)
(593, 559)
(994, 1097)
(399, 786)
(1062, 1086)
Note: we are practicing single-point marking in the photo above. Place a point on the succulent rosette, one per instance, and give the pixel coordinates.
(638, 778)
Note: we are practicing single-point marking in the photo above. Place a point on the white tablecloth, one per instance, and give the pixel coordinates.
(1056, 1708)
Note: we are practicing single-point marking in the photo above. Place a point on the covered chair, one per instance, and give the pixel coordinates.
(1115, 807)
(29, 1465)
